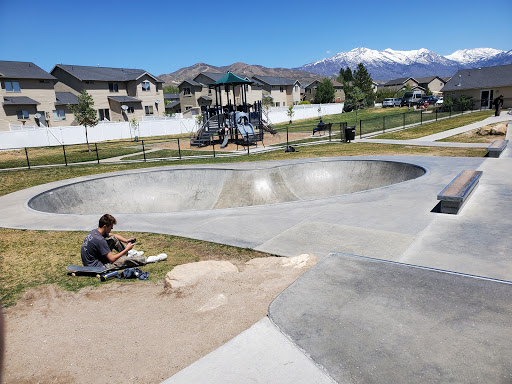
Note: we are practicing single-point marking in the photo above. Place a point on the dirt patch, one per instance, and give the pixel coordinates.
(269, 139)
(136, 333)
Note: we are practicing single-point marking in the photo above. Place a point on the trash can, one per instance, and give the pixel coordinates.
(350, 133)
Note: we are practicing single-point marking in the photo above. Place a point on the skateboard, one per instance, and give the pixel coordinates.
(101, 273)
(77, 270)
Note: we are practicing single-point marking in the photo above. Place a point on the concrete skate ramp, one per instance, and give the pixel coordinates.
(175, 190)
(371, 321)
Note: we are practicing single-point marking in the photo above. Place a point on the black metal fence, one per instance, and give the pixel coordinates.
(416, 116)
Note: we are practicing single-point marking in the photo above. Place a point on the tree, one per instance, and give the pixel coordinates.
(84, 113)
(364, 82)
(290, 113)
(324, 92)
(171, 89)
(345, 75)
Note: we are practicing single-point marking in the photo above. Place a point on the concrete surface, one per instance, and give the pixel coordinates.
(396, 222)
(371, 321)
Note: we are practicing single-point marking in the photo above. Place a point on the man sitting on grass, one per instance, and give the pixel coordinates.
(98, 245)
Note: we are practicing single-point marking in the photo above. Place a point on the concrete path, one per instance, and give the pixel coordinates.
(328, 316)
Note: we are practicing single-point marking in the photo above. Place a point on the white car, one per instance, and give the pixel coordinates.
(439, 101)
(390, 102)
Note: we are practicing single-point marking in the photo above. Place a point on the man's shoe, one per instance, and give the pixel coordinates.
(134, 253)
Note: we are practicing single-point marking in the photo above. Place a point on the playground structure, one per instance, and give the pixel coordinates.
(241, 124)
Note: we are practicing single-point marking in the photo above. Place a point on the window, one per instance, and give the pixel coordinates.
(12, 86)
(296, 88)
(148, 109)
(104, 114)
(113, 87)
(59, 114)
(130, 110)
(277, 104)
(146, 85)
(281, 89)
(186, 91)
(22, 115)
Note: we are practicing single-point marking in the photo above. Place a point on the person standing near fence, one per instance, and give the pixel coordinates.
(498, 104)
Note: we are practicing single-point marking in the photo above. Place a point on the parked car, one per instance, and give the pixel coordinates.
(390, 102)
(431, 100)
(439, 101)
(411, 98)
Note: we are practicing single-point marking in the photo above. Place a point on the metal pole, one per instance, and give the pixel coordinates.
(26, 155)
(330, 125)
(383, 123)
(143, 150)
(360, 129)
(179, 149)
(212, 142)
(287, 145)
(404, 119)
(65, 159)
(421, 117)
(341, 132)
(97, 155)
(247, 137)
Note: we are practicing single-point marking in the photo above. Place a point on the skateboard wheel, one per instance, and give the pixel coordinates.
(73, 274)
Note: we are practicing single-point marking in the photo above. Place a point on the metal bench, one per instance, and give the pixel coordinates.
(455, 194)
(497, 147)
(322, 127)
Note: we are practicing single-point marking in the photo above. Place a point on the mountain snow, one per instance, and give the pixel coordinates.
(390, 64)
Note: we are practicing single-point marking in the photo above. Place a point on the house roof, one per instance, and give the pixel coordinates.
(172, 104)
(399, 81)
(271, 80)
(191, 82)
(171, 96)
(426, 80)
(212, 75)
(207, 98)
(65, 98)
(84, 73)
(335, 83)
(23, 70)
(475, 78)
(124, 99)
(19, 100)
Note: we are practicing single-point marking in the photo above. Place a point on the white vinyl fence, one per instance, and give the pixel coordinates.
(24, 136)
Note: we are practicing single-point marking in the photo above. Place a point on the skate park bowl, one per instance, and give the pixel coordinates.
(176, 190)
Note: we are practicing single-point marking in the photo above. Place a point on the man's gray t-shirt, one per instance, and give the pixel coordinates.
(94, 250)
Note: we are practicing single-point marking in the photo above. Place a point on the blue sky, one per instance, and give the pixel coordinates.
(164, 36)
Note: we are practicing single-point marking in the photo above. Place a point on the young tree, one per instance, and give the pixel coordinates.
(290, 113)
(171, 89)
(84, 113)
(324, 92)
(364, 82)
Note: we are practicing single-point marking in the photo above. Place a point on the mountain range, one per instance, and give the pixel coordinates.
(382, 65)
(390, 64)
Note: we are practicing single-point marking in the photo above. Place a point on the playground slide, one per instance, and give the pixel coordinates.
(245, 129)
(225, 142)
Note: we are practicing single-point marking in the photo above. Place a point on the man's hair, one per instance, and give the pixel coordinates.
(107, 220)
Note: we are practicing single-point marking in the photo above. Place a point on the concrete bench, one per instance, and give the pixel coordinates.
(455, 194)
(497, 147)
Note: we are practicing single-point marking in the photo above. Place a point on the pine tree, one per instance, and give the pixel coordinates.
(324, 92)
(364, 82)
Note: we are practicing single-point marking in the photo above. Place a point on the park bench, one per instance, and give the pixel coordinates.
(497, 147)
(455, 194)
(322, 127)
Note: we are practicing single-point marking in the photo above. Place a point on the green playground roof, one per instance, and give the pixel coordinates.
(231, 78)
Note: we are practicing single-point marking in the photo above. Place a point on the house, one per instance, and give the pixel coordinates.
(172, 103)
(283, 91)
(401, 83)
(433, 83)
(197, 92)
(482, 84)
(119, 94)
(310, 91)
(28, 96)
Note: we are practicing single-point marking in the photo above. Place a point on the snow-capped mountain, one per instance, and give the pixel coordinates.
(390, 64)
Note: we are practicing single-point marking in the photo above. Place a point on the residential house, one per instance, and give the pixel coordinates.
(482, 84)
(283, 91)
(433, 83)
(197, 92)
(172, 103)
(119, 94)
(310, 91)
(27, 95)
(401, 83)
